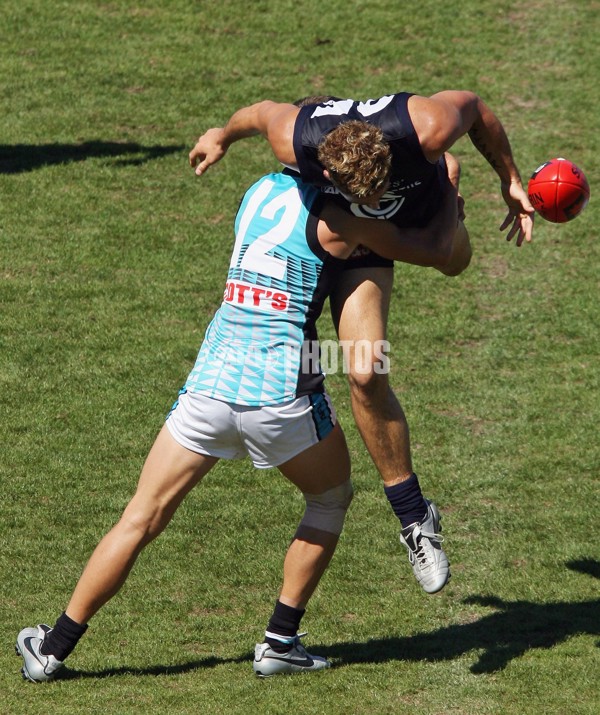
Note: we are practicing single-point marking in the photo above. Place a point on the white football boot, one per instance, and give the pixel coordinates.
(423, 543)
(268, 662)
(37, 667)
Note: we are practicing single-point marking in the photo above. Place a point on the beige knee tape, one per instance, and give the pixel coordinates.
(327, 511)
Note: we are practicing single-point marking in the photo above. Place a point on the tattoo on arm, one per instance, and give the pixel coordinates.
(482, 148)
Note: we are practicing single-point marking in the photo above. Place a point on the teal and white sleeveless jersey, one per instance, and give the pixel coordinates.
(261, 346)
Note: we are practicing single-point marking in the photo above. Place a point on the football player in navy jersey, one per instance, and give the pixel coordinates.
(384, 158)
(250, 393)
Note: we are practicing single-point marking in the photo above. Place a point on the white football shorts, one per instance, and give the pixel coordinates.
(270, 435)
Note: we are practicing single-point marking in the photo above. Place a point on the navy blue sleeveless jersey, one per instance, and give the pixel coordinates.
(415, 191)
(261, 346)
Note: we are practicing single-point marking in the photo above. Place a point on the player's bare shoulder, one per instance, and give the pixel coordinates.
(439, 119)
(429, 120)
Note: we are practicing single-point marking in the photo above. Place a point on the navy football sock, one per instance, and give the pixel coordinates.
(284, 622)
(407, 501)
(63, 638)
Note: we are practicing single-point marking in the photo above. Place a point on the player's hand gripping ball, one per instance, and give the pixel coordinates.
(558, 190)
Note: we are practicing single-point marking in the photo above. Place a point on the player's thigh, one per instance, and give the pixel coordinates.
(360, 303)
(170, 472)
(360, 311)
(321, 467)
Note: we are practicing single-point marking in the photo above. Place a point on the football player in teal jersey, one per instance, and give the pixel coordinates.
(252, 393)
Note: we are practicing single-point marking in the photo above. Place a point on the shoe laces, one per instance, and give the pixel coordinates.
(420, 554)
(297, 645)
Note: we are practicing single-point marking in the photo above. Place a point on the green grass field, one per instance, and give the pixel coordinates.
(112, 260)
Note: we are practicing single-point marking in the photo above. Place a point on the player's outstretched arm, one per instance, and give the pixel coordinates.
(445, 117)
(274, 120)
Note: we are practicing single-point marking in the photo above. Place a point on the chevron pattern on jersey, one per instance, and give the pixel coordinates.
(252, 347)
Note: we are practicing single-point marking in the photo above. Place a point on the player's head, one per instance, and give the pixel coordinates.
(357, 160)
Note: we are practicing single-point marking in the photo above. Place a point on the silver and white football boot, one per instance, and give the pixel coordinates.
(37, 667)
(268, 662)
(423, 542)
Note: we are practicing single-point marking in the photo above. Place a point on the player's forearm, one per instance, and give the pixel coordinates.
(490, 139)
(431, 246)
(428, 247)
(246, 122)
(214, 143)
(419, 249)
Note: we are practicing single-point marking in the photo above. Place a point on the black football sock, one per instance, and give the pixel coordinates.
(63, 638)
(283, 627)
(407, 501)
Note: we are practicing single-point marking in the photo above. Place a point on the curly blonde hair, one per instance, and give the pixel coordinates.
(357, 158)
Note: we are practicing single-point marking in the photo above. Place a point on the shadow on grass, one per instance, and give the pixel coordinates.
(19, 158)
(212, 662)
(514, 628)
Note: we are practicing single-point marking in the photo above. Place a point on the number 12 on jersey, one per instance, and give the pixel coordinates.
(276, 219)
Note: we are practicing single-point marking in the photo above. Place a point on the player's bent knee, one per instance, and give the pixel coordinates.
(367, 362)
(459, 264)
(370, 384)
(461, 254)
(327, 511)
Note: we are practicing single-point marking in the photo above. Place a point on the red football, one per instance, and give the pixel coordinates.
(558, 190)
